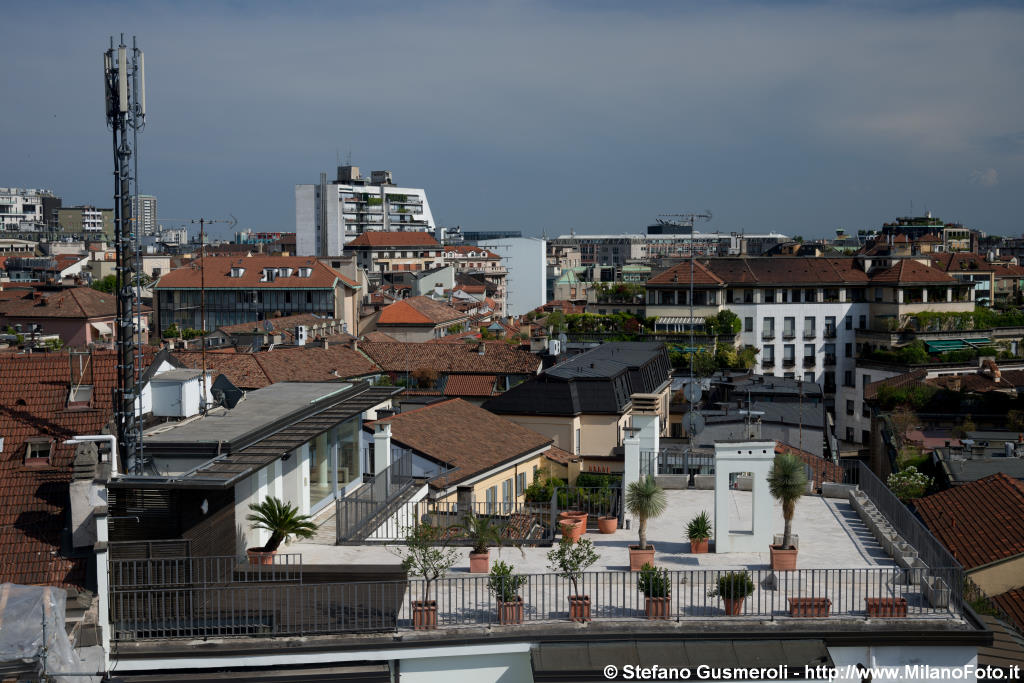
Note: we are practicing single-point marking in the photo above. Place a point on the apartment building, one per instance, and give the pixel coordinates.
(27, 209)
(328, 215)
(482, 263)
(86, 220)
(144, 213)
(379, 253)
(803, 314)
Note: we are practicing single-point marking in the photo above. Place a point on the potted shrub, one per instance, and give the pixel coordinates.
(787, 481)
(733, 588)
(484, 534)
(699, 531)
(426, 554)
(505, 585)
(656, 586)
(645, 500)
(569, 560)
(284, 523)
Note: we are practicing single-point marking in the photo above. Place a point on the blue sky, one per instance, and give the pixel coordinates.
(797, 117)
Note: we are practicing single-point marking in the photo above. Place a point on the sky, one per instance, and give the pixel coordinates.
(795, 117)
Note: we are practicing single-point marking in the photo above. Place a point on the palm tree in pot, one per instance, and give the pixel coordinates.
(699, 531)
(644, 500)
(569, 560)
(484, 534)
(787, 481)
(505, 585)
(283, 521)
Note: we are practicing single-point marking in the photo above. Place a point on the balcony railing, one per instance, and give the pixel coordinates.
(788, 362)
(809, 361)
(830, 333)
(788, 334)
(810, 334)
(768, 334)
(830, 359)
(768, 363)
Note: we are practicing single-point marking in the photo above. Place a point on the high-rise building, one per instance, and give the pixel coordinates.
(144, 211)
(330, 214)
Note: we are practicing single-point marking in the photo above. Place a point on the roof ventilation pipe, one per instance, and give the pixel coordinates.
(111, 441)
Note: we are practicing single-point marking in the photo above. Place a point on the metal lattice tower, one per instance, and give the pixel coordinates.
(125, 96)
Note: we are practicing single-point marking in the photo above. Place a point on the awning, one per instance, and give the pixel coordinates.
(102, 328)
(943, 345)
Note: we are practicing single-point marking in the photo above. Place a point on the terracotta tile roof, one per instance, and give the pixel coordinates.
(469, 439)
(1012, 602)
(294, 364)
(785, 270)
(556, 454)
(469, 385)
(680, 272)
(218, 274)
(564, 306)
(821, 469)
(1007, 270)
(378, 238)
(377, 336)
(286, 323)
(418, 310)
(929, 238)
(463, 337)
(980, 522)
(498, 359)
(8, 293)
(905, 271)
(951, 262)
(907, 379)
(464, 251)
(901, 239)
(33, 398)
(73, 302)
(978, 383)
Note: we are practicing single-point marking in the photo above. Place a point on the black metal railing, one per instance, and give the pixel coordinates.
(285, 609)
(203, 571)
(354, 513)
(518, 522)
(676, 461)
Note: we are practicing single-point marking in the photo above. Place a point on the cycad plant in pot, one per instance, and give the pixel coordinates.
(569, 560)
(656, 586)
(644, 500)
(733, 588)
(505, 585)
(699, 531)
(283, 521)
(787, 481)
(426, 554)
(484, 534)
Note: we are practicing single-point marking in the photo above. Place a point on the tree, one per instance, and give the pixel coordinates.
(105, 284)
(645, 500)
(569, 560)
(555, 321)
(787, 481)
(171, 331)
(427, 554)
(908, 484)
(282, 520)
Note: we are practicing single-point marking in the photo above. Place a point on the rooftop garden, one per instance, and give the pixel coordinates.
(916, 353)
(980, 318)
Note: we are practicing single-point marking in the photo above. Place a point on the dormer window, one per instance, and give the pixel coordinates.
(37, 451)
(237, 271)
(269, 274)
(286, 272)
(305, 272)
(80, 396)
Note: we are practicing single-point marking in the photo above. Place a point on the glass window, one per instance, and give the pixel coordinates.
(809, 329)
(848, 320)
(849, 350)
(769, 352)
(862, 322)
(346, 436)
(769, 296)
(789, 327)
(768, 328)
(520, 483)
(320, 484)
(808, 350)
(789, 352)
(808, 376)
(506, 491)
(849, 407)
(748, 324)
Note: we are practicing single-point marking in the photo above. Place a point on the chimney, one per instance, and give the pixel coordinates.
(323, 343)
(381, 447)
(482, 349)
(354, 344)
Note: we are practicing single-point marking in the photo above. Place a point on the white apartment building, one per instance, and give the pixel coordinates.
(22, 209)
(525, 260)
(802, 314)
(329, 215)
(619, 249)
(144, 212)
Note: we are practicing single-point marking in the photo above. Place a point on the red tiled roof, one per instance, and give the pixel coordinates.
(465, 251)
(980, 522)
(218, 274)
(286, 323)
(74, 302)
(930, 237)
(1007, 270)
(910, 271)
(498, 358)
(469, 385)
(978, 383)
(470, 439)
(680, 272)
(418, 310)
(294, 364)
(821, 469)
(377, 336)
(957, 261)
(378, 238)
(556, 454)
(1012, 602)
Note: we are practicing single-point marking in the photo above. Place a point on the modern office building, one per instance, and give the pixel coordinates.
(328, 215)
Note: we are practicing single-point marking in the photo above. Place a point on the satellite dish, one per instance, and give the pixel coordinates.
(693, 423)
(225, 393)
(692, 392)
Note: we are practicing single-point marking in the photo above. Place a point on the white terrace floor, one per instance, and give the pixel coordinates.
(831, 534)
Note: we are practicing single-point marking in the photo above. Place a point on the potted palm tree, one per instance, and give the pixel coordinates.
(505, 585)
(484, 534)
(645, 500)
(787, 481)
(569, 560)
(699, 531)
(284, 523)
(426, 554)
(656, 586)
(733, 588)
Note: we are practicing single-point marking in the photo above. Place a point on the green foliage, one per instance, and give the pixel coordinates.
(482, 531)
(915, 352)
(911, 456)
(619, 292)
(427, 554)
(733, 586)
(787, 482)
(556, 321)
(374, 201)
(569, 560)
(106, 284)
(725, 322)
(455, 329)
(961, 430)
(282, 520)
(704, 362)
(486, 333)
(384, 380)
(191, 333)
(54, 344)
(1015, 420)
(645, 500)
(747, 357)
(699, 528)
(914, 398)
(654, 582)
(596, 480)
(171, 331)
(908, 483)
(542, 488)
(504, 583)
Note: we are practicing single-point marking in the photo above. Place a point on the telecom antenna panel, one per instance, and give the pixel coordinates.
(124, 85)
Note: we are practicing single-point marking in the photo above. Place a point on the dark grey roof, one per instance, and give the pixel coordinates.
(778, 412)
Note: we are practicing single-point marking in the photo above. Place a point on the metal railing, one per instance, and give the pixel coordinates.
(202, 571)
(596, 501)
(338, 608)
(675, 461)
(518, 522)
(354, 514)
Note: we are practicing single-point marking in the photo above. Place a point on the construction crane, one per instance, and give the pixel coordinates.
(683, 220)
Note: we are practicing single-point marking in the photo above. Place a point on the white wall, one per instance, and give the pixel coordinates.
(900, 657)
(305, 220)
(513, 667)
(526, 261)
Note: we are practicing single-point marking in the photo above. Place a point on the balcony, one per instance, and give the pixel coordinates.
(830, 333)
(768, 363)
(830, 388)
(809, 361)
(788, 334)
(768, 335)
(788, 362)
(830, 359)
(810, 334)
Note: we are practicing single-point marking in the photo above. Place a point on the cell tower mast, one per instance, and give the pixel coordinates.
(125, 96)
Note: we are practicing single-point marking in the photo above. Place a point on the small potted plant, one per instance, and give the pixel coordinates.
(699, 531)
(656, 586)
(484, 534)
(284, 523)
(645, 500)
(733, 588)
(569, 560)
(426, 554)
(787, 481)
(505, 585)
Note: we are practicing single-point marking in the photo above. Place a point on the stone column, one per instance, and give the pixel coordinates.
(381, 447)
(631, 469)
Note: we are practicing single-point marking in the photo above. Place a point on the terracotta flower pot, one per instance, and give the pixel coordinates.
(480, 563)
(783, 560)
(886, 607)
(260, 556)
(510, 612)
(572, 529)
(809, 607)
(607, 524)
(658, 608)
(733, 606)
(424, 614)
(568, 514)
(638, 558)
(582, 519)
(579, 608)
(698, 546)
